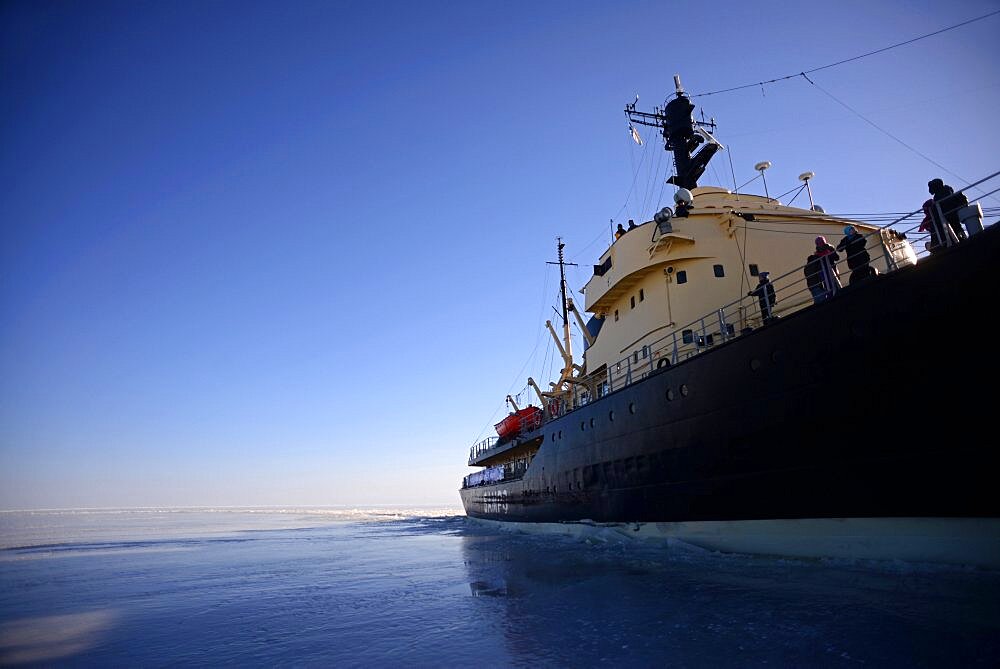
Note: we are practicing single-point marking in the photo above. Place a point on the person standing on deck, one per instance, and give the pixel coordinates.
(950, 202)
(855, 245)
(765, 297)
(814, 279)
(828, 258)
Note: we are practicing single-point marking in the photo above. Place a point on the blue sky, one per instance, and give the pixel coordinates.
(295, 253)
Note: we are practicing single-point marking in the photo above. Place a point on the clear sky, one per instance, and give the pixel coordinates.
(259, 253)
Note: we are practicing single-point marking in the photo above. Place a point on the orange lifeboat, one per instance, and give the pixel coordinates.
(520, 421)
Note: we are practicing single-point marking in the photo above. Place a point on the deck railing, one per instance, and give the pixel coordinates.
(481, 447)
(505, 472)
(792, 293)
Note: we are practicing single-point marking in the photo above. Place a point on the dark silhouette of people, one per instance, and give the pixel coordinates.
(828, 258)
(765, 297)
(927, 225)
(631, 224)
(855, 245)
(619, 232)
(814, 279)
(950, 203)
(941, 234)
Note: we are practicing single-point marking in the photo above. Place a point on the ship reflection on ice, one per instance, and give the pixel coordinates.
(578, 602)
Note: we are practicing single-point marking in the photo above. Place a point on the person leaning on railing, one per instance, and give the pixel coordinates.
(950, 202)
(814, 278)
(855, 246)
(941, 234)
(765, 296)
(828, 259)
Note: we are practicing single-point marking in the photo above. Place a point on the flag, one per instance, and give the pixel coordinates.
(635, 135)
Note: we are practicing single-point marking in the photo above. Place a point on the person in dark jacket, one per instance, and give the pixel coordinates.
(765, 297)
(814, 278)
(855, 245)
(929, 225)
(950, 203)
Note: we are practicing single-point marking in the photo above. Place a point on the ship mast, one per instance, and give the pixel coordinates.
(566, 345)
(559, 388)
(565, 314)
(681, 134)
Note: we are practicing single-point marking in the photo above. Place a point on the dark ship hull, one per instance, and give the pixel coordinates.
(875, 404)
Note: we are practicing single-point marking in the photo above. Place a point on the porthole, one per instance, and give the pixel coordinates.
(631, 407)
(560, 434)
(611, 416)
(775, 356)
(755, 364)
(553, 436)
(684, 390)
(583, 425)
(670, 394)
(591, 422)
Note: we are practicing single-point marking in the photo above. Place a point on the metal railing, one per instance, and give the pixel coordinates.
(792, 292)
(481, 447)
(498, 474)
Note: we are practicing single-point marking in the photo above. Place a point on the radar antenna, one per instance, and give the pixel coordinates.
(682, 134)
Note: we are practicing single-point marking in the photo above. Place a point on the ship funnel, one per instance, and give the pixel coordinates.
(677, 84)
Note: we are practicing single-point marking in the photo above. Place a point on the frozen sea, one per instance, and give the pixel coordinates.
(420, 587)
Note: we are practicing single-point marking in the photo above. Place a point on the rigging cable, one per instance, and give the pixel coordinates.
(744, 268)
(635, 177)
(880, 129)
(649, 178)
(589, 244)
(545, 287)
(847, 60)
(663, 185)
(736, 191)
(798, 192)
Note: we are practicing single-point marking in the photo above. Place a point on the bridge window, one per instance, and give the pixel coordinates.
(682, 276)
(753, 270)
(632, 302)
(687, 336)
(616, 315)
(719, 270)
(642, 295)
